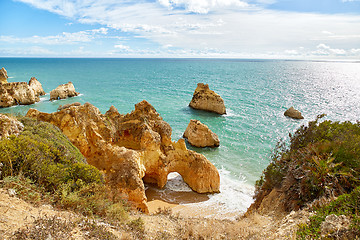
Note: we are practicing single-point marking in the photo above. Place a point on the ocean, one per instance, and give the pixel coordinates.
(256, 94)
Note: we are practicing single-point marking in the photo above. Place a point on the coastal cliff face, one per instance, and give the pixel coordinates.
(63, 91)
(208, 100)
(20, 93)
(132, 149)
(3, 76)
(199, 135)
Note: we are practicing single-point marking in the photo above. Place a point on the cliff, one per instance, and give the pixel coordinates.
(132, 149)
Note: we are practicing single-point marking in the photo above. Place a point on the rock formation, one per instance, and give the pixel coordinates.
(36, 85)
(61, 107)
(20, 93)
(293, 113)
(199, 135)
(9, 126)
(208, 100)
(132, 148)
(63, 91)
(3, 76)
(16, 93)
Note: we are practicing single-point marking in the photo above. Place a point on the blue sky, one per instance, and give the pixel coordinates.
(291, 29)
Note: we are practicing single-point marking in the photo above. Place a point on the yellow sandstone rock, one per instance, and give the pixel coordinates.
(132, 149)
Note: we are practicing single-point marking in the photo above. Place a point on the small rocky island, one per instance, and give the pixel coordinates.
(293, 113)
(63, 91)
(207, 100)
(199, 135)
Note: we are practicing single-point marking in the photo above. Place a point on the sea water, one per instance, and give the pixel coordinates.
(256, 94)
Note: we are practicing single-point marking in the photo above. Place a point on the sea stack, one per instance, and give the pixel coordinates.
(208, 100)
(63, 91)
(293, 113)
(3, 76)
(199, 135)
(36, 85)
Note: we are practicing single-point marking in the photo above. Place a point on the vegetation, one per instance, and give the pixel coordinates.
(41, 165)
(346, 204)
(322, 161)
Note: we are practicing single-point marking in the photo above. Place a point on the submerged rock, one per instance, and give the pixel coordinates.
(208, 100)
(9, 126)
(63, 91)
(293, 113)
(3, 76)
(132, 149)
(199, 135)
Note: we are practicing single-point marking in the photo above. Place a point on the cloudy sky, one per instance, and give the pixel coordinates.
(291, 29)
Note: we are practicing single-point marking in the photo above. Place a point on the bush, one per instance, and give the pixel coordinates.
(323, 159)
(346, 204)
(41, 164)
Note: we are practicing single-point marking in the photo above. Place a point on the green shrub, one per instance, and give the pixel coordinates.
(346, 204)
(41, 164)
(323, 159)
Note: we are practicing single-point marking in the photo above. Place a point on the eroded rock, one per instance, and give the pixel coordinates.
(63, 91)
(132, 149)
(17, 93)
(293, 113)
(3, 76)
(9, 126)
(208, 100)
(199, 135)
(334, 224)
(36, 85)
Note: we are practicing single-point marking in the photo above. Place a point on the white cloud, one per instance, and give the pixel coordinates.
(203, 6)
(228, 27)
(64, 38)
(325, 50)
(122, 47)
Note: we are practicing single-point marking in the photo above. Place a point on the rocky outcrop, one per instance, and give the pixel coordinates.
(199, 135)
(63, 91)
(17, 93)
(61, 107)
(36, 85)
(334, 224)
(9, 126)
(208, 100)
(132, 149)
(293, 113)
(3, 76)
(20, 93)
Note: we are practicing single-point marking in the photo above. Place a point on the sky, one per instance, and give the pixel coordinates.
(262, 29)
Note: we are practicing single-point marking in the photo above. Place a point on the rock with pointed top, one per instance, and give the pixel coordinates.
(36, 85)
(3, 76)
(206, 99)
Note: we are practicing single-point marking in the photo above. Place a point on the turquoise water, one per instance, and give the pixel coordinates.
(256, 93)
